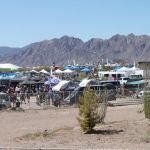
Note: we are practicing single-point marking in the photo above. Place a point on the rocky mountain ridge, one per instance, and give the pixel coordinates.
(68, 49)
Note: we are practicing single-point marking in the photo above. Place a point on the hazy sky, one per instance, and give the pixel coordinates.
(26, 21)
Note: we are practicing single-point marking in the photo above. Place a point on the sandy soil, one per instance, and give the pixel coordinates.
(124, 128)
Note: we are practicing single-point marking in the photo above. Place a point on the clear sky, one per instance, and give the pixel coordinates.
(26, 21)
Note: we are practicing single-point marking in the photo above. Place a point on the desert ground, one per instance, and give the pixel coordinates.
(125, 127)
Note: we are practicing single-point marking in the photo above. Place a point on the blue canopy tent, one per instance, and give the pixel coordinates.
(71, 67)
(86, 70)
(116, 68)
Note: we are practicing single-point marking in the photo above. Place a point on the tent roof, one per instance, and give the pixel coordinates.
(28, 82)
(34, 71)
(43, 71)
(9, 66)
(123, 69)
(67, 71)
(54, 80)
(61, 85)
(134, 69)
(58, 71)
(85, 70)
(85, 82)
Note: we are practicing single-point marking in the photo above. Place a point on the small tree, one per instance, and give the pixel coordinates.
(88, 110)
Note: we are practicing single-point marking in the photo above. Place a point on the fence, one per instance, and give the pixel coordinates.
(71, 97)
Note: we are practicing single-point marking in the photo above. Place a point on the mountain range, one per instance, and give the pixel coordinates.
(67, 50)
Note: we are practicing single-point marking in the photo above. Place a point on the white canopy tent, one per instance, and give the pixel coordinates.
(43, 71)
(85, 82)
(134, 69)
(58, 71)
(68, 71)
(9, 66)
(123, 69)
(34, 71)
(61, 85)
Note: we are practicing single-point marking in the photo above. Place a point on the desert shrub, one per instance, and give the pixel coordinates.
(147, 105)
(82, 76)
(103, 103)
(88, 110)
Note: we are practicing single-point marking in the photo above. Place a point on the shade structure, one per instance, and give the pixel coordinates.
(58, 71)
(68, 71)
(52, 81)
(28, 82)
(55, 80)
(123, 69)
(85, 82)
(86, 70)
(134, 69)
(43, 71)
(41, 82)
(7, 76)
(70, 67)
(61, 85)
(34, 71)
(8, 67)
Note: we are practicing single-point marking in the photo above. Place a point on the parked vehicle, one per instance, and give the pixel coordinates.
(4, 101)
(123, 80)
(98, 89)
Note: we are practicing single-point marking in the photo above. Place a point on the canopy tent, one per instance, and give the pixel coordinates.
(134, 69)
(34, 71)
(55, 80)
(61, 85)
(123, 69)
(86, 70)
(8, 67)
(74, 67)
(43, 71)
(116, 68)
(16, 79)
(41, 82)
(58, 71)
(68, 71)
(28, 82)
(52, 80)
(7, 76)
(85, 82)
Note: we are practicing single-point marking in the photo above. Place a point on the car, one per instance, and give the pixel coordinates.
(4, 101)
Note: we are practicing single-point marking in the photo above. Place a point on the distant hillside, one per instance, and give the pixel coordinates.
(8, 51)
(66, 49)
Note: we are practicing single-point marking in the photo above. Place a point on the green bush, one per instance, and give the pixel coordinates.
(147, 105)
(88, 110)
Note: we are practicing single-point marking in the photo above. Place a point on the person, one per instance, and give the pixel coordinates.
(22, 95)
(28, 95)
(17, 90)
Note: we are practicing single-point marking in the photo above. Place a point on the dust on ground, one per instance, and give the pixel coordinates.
(124, 128)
